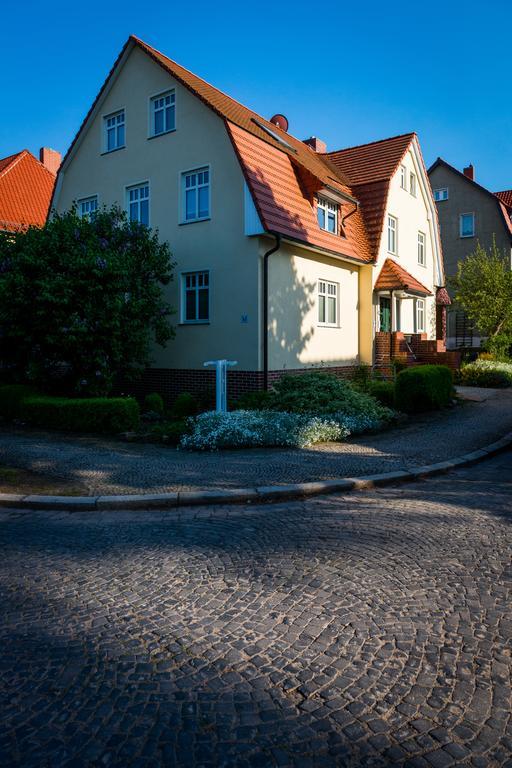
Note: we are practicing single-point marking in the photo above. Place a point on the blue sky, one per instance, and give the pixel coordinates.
(346, 72)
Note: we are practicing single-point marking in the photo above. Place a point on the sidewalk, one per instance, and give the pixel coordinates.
(111, 467)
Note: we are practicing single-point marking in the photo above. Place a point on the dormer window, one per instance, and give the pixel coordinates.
(327, 214)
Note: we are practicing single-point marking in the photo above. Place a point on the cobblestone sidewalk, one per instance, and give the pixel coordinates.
(112, 467)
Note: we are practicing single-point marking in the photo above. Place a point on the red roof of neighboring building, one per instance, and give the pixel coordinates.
(505, 197)
(393, 277)
(26, 188)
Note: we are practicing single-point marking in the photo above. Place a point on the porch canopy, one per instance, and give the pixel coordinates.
(393, 277)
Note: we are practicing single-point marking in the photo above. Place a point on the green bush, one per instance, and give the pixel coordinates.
(95, 414)
(255, 401)
(172, 431)
(11, 400)
(423, 388)
(184, 405)
(383, 391)
(486, 373)
(154, 403)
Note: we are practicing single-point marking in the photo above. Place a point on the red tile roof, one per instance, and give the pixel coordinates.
(505, 197)
(394, 277)
(26, 188)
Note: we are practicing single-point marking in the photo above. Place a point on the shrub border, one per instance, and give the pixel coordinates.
(259, 494)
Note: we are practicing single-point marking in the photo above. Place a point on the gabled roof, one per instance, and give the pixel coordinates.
(393, 277)
(26, 187)
(369, 169)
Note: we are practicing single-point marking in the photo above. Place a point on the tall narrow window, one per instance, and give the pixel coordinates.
(412, 184)
(163, 113)
(392, 234)
(467, 224)
(138, 203)
(327, 303)
(196, 195)
(327, 213)
(87, 207)
(114, 131)
(421, 249)
(195, 297)
(403, 177)
(420, 315)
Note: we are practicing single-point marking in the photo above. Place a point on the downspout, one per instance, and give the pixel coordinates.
(265, 305)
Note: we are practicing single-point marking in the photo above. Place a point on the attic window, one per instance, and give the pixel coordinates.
(272, 134)
(327, 213)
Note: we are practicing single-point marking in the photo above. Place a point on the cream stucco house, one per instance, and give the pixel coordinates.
(288, 256)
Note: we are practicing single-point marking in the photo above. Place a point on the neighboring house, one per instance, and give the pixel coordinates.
(26, 187)
(468, 213)
(288, 257)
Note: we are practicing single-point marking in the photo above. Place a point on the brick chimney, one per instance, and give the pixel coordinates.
(470, 172)
(50, 158)
(317, 144)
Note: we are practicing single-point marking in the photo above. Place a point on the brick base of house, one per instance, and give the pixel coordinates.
(170, 382)
(418, 350)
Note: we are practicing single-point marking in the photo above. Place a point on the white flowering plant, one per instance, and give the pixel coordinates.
(486, 373)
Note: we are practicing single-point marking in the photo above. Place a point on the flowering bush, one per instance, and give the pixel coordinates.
(486, 373)
(246, 429)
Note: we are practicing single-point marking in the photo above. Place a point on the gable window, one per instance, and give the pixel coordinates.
(392, 234)
(196, 194)
(421, 249)
(195, 297)
(327, 303)
(420, 315)
(441, 194)
(467, 224)
(403, 177)
(412, 184)
(163, 113)
(114, 125)
(327, 214)
(138, 203)
(87, 207)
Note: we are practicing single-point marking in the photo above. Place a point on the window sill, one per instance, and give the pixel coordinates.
(194, 221)
(194, 322)
(329, 325)
(110, 151)
(164, 133)
(466, 237)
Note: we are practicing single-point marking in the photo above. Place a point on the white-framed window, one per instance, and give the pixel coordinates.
(403, 177)
(87, 207)
(327, 214)
(441, 194)
(467, 224)
(421, 249)
(195, 186)
(195, 293)
(327, 303)
(114, 129)
(420, 315)
(137, 203)
(392, 234)
(412, 184)
(163, 113)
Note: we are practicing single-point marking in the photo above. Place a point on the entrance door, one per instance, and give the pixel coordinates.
(385, 314)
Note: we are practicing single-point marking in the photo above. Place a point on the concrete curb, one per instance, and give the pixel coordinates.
(270, 493)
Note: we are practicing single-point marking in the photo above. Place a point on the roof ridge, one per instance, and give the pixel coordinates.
(370, 143)
(13, 160)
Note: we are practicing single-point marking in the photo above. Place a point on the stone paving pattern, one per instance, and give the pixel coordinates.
(368, 630)
(110, 467)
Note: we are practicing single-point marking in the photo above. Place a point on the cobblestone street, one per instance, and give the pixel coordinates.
(373, 629)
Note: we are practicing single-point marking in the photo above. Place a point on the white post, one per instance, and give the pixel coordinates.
(221, 382)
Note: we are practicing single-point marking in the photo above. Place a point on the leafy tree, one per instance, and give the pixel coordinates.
(81, 301)
(483, 289)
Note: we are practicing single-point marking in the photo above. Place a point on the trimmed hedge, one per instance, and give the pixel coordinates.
(11, 400)
(94, 414)
(423, 388)
(383, 391)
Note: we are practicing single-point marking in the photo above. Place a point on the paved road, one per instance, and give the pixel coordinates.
(368, 630)
(111, 467)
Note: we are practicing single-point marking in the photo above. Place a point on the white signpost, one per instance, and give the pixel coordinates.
(221, 381)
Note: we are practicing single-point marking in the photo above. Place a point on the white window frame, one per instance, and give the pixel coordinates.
(171, 92)
(328, 290)
(403, 177)
(85, 202)
(328, 206)
(461, 215)
(183, 296)
(413, 184)
(183, 197)
(138, 185)
(440, 194)
(420, 312)
(106, 128)
(422, 249)
(394, 230)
